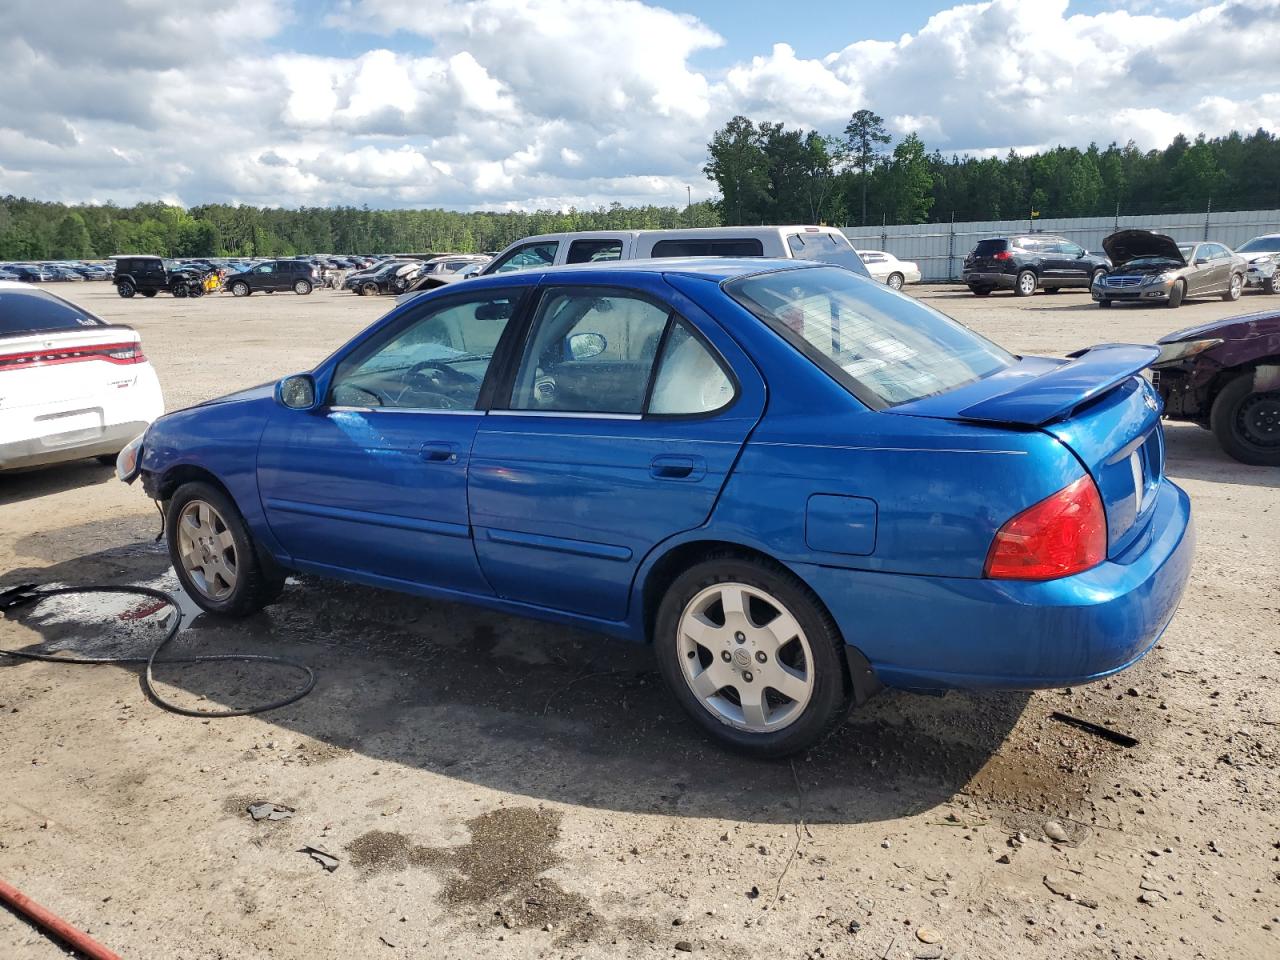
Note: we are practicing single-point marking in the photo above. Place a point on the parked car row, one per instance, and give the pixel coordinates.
(1138, 265)
(54, 271)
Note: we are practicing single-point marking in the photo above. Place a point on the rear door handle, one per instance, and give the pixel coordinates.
(438, 452)
(677, 468)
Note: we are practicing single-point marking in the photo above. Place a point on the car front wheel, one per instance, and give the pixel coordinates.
(369, 289)
(1235, 289)
(752, 656)
(240, 289)
(214, 555)
(1247, 423)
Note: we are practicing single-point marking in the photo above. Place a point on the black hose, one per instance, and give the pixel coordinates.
(31, 596)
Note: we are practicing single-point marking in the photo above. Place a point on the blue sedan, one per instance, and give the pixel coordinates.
(798, 485)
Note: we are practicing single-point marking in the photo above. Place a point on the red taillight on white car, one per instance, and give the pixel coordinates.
(120, 353)
(1063, 534)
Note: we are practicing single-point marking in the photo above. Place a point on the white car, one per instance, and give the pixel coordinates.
(71, 385)
(887, 267)
(1262, 254)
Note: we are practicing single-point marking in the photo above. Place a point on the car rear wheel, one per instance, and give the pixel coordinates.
(126, 289)
(239, 289)
(214, 555)
(1235, 288)
(895, 281)
(981, 291)
(752, 656)
(1247, 423)
(1176, 293)
(369, 289)
(1026, 283)
(302, 287)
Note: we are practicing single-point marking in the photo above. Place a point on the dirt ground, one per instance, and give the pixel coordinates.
(500, 788)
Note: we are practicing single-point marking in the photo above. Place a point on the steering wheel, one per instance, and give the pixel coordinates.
(441, 375)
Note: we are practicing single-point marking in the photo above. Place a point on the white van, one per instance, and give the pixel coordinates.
(827, 244)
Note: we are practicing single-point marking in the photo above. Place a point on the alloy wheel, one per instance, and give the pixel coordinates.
(745, 657)
(208, 550)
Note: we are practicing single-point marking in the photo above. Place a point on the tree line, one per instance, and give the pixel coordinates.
(767, 173)
(40, 230)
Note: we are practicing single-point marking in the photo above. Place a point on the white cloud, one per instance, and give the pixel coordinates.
(521, 103)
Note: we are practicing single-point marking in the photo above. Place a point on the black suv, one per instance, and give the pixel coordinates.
(1022, 264)
(149, 275)
(300, 276)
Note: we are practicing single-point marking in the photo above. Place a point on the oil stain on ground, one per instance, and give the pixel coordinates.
(500, 868)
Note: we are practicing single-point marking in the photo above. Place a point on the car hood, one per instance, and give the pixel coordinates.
(1233, 328)
(1126, 245)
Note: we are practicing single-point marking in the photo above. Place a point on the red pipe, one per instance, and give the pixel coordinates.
(51, 923)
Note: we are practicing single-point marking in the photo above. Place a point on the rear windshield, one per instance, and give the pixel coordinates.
(26, 311)
(746, 247)
(986, 248)
(884, 348)
(826, 248)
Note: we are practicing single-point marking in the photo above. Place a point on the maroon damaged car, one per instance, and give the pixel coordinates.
(1225, 376)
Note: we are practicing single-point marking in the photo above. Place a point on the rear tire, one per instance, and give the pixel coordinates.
(895, 281)
(240, 289)
(1270, 286)
(1234, 289)
(126, 289)
(217, 560)
(302, 287)
(1025, 284)
(1246, 423)
(810, 658)
(1176, 294)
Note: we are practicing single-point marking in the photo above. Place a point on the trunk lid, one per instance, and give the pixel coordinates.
(1097, 404)
(63, 369)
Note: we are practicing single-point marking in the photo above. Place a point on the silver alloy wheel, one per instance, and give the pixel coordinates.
(301, 287)
(1237, 284)
(208, 550)
(240, 289)
(1027, 283)
(752, 675)
(895, 281)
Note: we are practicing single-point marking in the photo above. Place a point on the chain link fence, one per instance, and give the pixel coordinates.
(940, 248)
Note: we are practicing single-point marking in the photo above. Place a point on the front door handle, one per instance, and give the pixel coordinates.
(438, 452)
(677, 468)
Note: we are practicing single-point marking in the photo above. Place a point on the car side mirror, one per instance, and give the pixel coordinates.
(1200, 261)
(297, 392)
(584, 346)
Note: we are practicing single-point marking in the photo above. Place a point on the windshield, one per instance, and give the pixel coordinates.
(883, 347)
(1152, 262)
(826, 248)
(1261, 245)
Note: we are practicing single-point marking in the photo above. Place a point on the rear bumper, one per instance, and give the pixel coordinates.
(937, 632)
(983, 278)
(59, 448)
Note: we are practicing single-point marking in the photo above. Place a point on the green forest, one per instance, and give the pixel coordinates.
(763, 172)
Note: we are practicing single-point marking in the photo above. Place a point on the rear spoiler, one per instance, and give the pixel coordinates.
(1055, 393)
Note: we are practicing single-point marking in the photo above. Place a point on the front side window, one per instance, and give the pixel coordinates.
(437, 361)
(589, 351)
(883, 348)
(594, 251)
(1071, 249)
(266, 268)
(526, 257)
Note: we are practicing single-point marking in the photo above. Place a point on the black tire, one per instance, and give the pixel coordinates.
(149, 293)
(257, 584)
(895, 281)
(369, 289)
(1025, 284)
(1052, 289)
(196, 290)
(180, 290)
(1176, 294)
(302, 287)
(831, 697)
(1235, 288)
(1243, 419)
(126, 289)
(981, 291)
(240, 289)
(1270, 285)
(1104, 304)
(107, 459)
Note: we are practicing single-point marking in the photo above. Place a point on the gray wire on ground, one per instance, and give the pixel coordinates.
(148, 679)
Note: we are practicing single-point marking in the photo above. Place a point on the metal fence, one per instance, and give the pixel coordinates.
(940, 248)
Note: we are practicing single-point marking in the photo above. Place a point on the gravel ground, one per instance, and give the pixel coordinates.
(495, 787)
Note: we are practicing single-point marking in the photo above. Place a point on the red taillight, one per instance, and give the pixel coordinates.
(1002, 255)
(119, 353)
(1061, 535)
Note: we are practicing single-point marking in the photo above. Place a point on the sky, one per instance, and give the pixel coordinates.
(524, 104)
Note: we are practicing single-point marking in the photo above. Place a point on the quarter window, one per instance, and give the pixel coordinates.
(437, 361)
(689, 379)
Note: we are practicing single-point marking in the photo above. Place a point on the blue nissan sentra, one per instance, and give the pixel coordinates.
(797, 484)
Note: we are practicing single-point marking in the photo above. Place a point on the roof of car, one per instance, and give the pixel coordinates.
(716, 269)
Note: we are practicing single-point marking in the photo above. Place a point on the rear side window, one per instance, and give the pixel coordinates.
(726, 247)
(986, 248)
(594, 251)
(26, 311)
(883, 348)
